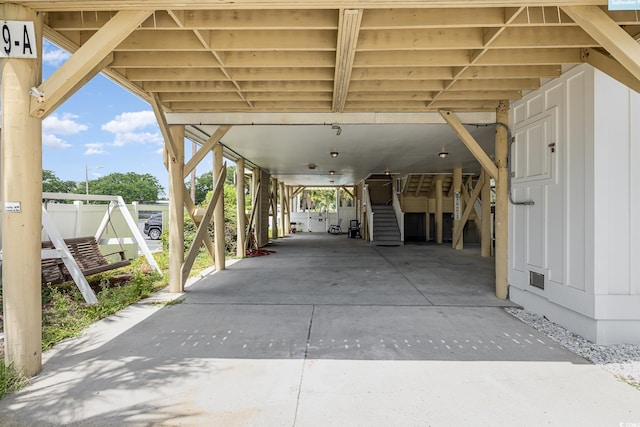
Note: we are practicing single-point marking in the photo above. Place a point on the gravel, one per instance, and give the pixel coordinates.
(622, 360)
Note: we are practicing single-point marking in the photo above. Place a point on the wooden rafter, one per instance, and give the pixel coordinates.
(609, 35)
(348, 30)
(86, 61)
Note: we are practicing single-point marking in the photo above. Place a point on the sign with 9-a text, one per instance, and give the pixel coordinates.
(17, 39)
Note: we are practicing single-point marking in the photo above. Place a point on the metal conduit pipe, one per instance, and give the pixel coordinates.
(511, 141)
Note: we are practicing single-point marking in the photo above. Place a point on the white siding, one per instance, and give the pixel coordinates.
(583, 232)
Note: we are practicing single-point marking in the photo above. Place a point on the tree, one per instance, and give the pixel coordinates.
(204, 183)
(131, 186)
(52, 184)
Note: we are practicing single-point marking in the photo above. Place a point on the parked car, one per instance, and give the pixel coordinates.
(153, 226)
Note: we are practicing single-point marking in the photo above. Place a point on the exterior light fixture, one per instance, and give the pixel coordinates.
(331, 182)
(386, 172)
(332, 172)
(334, 154)
(312, 166)
(443, 154)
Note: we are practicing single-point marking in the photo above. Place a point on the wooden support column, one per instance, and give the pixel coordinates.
(274, 205)
(502, 202)
(283, 210)
(439, 209)
(176, 208)
(22, 189)
(218, 213)
(242, 217)
(457, 194)
(485, 228)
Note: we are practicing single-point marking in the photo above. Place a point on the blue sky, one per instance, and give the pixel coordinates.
(102, 127)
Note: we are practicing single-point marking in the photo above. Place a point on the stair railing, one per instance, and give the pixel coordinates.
(369, 212)
(397, 208)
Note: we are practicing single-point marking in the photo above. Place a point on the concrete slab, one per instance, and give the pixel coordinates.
(327, 331)
(445, 393)
(428, 333)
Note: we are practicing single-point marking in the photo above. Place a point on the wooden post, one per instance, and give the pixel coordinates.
(22, 201)
(502, 202)
(457, 199)
(439, 209)
(274, 218)
(176, 211)
(242, 217)
(218, 213)
(193, 173)
(485, 228)
(283, 211)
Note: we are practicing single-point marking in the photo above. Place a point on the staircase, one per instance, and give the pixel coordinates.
(385, 226)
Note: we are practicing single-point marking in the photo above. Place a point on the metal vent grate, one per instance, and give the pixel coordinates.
(536, 279)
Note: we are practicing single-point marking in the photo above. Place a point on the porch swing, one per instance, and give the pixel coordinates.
(76, 258)
(87, 255)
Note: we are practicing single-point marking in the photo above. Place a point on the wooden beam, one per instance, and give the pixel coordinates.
(419, 187)
(471, 143)
(240, 209)
(170, 144)
(458, 225)
(218, 213)
(612, 68)
(502, 204)
(177, 195)
(432, 187)
(485, 233)
(86, 60)
(348, 192)
(205, 149)
(192, 211)
(297, 191)
(348, 30)
(203, 228)
(608, 34)
(438, 218)
(254, 210)
(457, 235)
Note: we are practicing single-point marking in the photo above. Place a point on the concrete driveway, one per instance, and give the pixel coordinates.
(327, 331)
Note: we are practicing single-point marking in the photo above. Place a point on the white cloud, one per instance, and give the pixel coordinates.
(54, 56)
(52, 141)
(129, 122)
(54, 125)
(65, 125)
(139, 127)
(94, 148)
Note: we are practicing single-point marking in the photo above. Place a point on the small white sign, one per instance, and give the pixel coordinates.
(18, 39)
(12, 207)
(457, 207)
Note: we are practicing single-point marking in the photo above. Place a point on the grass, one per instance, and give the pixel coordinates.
(65, 314)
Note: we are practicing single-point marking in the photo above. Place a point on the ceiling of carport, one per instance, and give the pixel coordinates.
(311, 56)
(401, 149)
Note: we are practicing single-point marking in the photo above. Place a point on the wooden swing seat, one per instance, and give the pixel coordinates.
(87, 254)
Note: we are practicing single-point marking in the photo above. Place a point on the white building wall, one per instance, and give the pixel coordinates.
(580, 233)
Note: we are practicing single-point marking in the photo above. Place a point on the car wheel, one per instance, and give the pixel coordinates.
(154, 234)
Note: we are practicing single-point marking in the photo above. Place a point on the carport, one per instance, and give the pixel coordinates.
(210, 67)
(326, 331)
